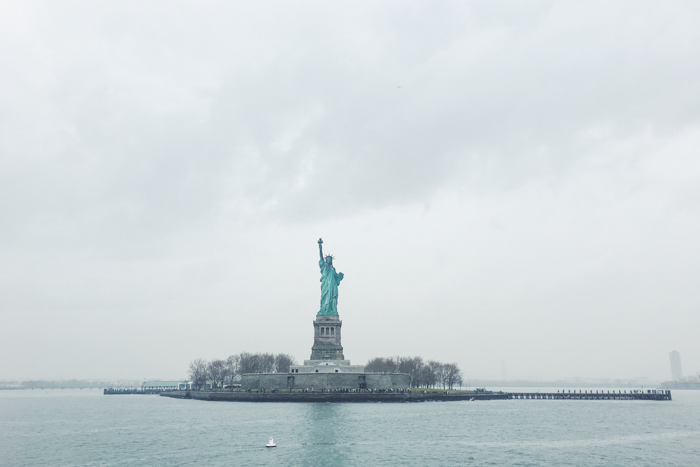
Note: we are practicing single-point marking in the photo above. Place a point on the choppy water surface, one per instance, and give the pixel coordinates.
(81, 427)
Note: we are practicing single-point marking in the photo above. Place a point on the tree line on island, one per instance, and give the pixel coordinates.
(221, 373)
(421, 374)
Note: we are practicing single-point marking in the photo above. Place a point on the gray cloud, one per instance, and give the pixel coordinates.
(161, 167)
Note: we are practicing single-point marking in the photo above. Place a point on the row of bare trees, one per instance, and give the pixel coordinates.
(428, 374)
(222, 372)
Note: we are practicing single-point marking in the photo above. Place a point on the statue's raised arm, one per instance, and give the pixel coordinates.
(320, 248)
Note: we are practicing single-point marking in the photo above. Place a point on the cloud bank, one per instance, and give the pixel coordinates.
(499, 182)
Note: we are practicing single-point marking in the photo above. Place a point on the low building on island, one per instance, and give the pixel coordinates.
(165, 385)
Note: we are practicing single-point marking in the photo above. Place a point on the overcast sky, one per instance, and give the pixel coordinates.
(511, 186)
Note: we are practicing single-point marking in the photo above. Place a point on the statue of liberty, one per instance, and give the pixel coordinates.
(330, 280)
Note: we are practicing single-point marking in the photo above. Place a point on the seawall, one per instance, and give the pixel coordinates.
(244, 396)
(324, 380)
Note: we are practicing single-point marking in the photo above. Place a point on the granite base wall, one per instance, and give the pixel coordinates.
(324, 381)
(333, 396)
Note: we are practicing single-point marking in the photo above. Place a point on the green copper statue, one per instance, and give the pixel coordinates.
(330, 280)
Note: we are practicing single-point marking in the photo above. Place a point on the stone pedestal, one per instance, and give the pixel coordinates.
(327, 344)
(327, 351)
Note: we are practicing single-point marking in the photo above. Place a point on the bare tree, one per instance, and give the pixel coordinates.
(267, 363)
(392, 364)
(256, 363)
(451, 375)
(412, 367)
(216, 371)
(198, 372)
(431, 373)
(248, 363)
(232, 368)
(283, 361)
(382, 365)
(376, 365)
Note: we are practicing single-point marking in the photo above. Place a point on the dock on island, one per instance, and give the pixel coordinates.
(597, 394)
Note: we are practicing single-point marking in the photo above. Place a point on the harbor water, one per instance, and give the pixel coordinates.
(83, 427)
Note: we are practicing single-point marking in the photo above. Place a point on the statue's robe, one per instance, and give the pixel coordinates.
(329, 289)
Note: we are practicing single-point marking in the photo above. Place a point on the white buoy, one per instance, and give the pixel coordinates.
(271, 444)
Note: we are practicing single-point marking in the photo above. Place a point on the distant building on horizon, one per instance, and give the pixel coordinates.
(676, 369)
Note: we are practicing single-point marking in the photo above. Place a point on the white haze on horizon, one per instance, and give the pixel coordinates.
(511, 182)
